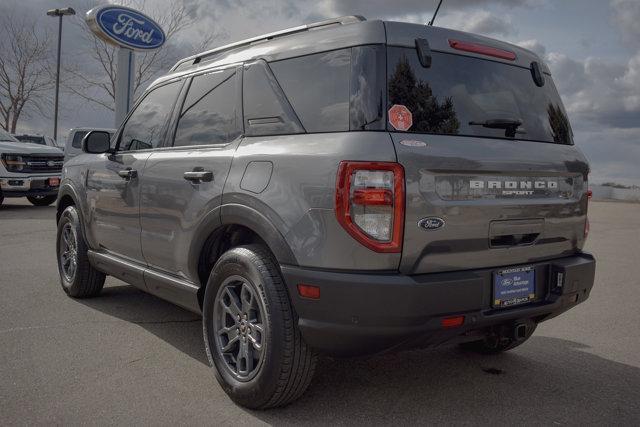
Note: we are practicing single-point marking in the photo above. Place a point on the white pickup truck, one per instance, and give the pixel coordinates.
(29, 170)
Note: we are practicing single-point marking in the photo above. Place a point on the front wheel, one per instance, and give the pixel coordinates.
(77, 276)
(250, 331)
(41, 200)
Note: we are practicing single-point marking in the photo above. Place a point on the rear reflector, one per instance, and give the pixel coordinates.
(482, 49)
(589, 193)
(308, 291)
(373, 197)
(452, 322)
(587, 226)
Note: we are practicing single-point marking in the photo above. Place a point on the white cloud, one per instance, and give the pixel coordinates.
(389, 9)
(535, 46)
(479, 22)
(626, 17)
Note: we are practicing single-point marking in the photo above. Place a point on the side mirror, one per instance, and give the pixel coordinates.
(96, 142)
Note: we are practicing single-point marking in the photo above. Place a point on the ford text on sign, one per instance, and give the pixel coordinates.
(125, 27)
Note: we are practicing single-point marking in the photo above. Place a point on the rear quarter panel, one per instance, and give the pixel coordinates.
(299, 195)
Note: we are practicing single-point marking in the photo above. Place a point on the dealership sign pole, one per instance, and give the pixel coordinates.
(131, 31)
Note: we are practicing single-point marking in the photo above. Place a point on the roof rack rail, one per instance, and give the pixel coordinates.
(342, 20)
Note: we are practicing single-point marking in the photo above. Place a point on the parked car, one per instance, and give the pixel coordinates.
(346, 188)
(29, 170)
(40, 140)
(73, 146)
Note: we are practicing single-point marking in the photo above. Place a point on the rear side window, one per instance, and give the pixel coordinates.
(318, 88)
(461, 95)
(266, 109)
(77, 138)
(208, 114)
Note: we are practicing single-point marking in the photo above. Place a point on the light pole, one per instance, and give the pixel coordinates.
(60, 13)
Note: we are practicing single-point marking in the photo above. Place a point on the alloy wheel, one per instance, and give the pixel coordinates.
(68, 252)
(240, 327)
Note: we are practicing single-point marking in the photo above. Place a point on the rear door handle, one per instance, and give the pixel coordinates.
(128, 174)
(198, 176)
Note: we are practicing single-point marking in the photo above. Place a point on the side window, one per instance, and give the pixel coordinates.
(368, 88)
(208, 114)
(77, 138)
(318, 88)
(266, 109)
(147, 124)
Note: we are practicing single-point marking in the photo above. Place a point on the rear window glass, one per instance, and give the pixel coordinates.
(77, 138)
(460, 95)
(317, 86)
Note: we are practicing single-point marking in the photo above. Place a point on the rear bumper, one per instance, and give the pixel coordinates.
(361, 314)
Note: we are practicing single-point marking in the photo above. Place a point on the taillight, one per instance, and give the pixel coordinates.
(370, 203)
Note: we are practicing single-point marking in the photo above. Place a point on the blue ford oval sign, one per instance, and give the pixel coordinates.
(125, 27)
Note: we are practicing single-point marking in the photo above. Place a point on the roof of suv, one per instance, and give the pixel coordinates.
(343, 32)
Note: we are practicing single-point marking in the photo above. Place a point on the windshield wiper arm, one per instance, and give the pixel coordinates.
(509, 125)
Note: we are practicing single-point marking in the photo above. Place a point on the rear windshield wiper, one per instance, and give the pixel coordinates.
(509, 125)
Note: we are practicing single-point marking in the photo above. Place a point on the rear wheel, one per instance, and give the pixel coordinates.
(77, 277)
(41, 200)
(250, 331)
(500, 339)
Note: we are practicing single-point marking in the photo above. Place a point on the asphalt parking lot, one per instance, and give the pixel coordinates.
(127, 357)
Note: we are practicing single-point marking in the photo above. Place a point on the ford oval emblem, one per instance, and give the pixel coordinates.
(125, 27)
(507, 282)
(431, 223)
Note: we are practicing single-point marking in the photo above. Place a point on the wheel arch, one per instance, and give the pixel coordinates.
(66, 197)
(237, 225)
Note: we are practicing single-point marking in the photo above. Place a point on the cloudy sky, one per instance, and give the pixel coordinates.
(591, 46)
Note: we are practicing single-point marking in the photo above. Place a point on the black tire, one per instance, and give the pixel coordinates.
(498, 340)
(41, 200)
(86, 281)
(1, 198)
(286, 363)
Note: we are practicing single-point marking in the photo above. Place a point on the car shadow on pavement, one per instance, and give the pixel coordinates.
(548, 380)
(174, 325)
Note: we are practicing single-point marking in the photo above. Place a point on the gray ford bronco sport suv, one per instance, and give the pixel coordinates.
(346, 187)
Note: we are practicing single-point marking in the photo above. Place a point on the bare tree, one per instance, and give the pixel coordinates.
(25, 70)
(99, 87)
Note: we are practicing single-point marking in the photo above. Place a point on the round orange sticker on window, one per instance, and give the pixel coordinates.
(400, 117)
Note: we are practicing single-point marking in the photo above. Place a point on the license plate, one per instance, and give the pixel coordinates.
(54, 182)
(514, 286)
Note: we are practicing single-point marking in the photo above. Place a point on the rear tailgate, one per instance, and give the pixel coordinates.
(492, 175)
(502, 202)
